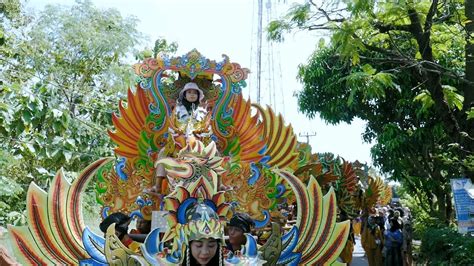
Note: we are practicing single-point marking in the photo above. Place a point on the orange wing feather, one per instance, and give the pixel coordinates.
(130, 123)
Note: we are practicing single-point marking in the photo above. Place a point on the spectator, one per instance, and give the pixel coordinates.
(121, 221)
(407, 233)
(238, 225)
(393, 243)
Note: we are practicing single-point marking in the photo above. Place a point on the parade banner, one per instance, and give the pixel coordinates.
(463, 191)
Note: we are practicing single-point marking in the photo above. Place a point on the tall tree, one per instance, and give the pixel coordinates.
(62, 82)
(469, 97)
(11, 190)
(399, 66)
(469, 90)
(63, 73)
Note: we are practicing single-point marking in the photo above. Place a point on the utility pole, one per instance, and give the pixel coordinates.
(259, 48)
(307, 135)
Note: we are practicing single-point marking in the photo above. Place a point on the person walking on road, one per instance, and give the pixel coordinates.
(372, 242)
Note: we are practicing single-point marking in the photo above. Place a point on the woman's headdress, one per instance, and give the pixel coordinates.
(203, 223)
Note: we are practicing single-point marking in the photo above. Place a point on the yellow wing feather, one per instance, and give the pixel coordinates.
(247, 127)
(280, 139)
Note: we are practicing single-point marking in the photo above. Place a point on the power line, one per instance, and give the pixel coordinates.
(251, 47)
(60, 148)
(270, 88)
(78, 118)
(33, 75)
(307, 135)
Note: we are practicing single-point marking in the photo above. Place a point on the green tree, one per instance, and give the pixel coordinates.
(62, 85)
(469, 91)
(401, 67)
(63, 74)
(11, 190)
(161, 45)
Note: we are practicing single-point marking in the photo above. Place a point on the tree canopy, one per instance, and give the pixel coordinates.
(402, 68)
(63, 73)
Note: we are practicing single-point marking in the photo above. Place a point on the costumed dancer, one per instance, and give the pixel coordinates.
(205, 236)
(237, 227)
(189, 103)
(372, 242)
(190, 118)
(121, 221)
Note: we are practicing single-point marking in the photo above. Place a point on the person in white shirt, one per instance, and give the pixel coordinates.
(189, 103)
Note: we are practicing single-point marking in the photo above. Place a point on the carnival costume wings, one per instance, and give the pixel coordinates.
(241, 158)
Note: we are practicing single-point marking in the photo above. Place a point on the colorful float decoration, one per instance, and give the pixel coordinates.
(236, 157)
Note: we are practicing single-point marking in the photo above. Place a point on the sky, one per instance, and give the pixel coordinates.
(217, 27)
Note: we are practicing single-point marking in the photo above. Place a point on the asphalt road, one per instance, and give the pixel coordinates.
(359, 258)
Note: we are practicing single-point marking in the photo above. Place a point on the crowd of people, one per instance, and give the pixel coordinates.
(386, 236)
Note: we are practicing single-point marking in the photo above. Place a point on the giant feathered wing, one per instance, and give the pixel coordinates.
(316, 238)
(248, 130)
(280, 140)
(54, 222)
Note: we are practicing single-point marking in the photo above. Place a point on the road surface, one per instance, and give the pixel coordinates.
(359, 258)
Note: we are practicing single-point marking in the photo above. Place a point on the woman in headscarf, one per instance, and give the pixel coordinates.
(407, 233)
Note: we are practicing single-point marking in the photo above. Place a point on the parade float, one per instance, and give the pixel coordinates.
(228, 155)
